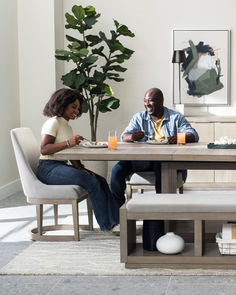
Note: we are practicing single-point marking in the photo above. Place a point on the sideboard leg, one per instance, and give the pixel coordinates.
(199, 234)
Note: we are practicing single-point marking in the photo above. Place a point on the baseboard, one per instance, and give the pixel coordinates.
(10, 189)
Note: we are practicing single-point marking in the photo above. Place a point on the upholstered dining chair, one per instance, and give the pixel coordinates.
(27, 155)
(146, 180)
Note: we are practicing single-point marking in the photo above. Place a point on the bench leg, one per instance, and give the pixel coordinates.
(199, 235)
(127, 235)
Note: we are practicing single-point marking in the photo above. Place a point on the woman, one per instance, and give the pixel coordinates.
(64, 105)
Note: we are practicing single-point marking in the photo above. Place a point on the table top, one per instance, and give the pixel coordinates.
(142, 151)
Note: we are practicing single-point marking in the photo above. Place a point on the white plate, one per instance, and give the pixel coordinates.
(156, 142)
(99, 144)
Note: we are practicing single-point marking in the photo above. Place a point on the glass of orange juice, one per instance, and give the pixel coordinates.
(181, 137)
(112, 140)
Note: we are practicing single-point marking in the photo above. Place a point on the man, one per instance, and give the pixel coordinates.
(157, 122)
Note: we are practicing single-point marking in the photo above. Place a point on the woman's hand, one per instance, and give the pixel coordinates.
(75, 139)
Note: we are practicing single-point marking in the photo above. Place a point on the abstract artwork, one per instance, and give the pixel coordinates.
(205, 75)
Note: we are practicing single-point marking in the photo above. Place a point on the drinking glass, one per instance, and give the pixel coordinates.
(181, 137)
(112, 140)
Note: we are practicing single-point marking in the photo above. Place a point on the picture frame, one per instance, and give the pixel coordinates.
(204, 78)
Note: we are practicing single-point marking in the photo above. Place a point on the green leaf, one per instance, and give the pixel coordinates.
(98, 51)
(89, 60)
(61, 57)
(69, 79)
(71, 20)
(74, 58)
(93, 39)
(117, 79)
(103, 36)
(85, 107)
(90, 20)
(119, 68)
(62, 52)
(96, 90)
(83, 52)
(108, 90)
(116, 46)
(116, 23)
(103, 109)
(80, 79)
(72, 39)
(78, 12)
(75, 44)
(90, 10)
(123, 30)
(98, 76)
(109, 103)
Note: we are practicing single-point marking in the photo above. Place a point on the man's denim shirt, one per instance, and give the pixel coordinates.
(172, 121)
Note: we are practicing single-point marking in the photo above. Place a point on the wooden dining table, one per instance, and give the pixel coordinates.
(172, 157)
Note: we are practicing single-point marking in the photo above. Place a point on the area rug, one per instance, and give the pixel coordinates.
(97, 254)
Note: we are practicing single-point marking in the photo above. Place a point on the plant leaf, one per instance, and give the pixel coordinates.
(116, 23)
(109, 103)
(71, 20)
(90, 10)
(80, 79)
(108, 90)
(85, 107)
(78, 12)
(93, 39)
(119, 68)
(69, 79)
(90, 20)
(123, 30)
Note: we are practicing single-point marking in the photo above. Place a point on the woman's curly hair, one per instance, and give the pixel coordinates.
(60, 99)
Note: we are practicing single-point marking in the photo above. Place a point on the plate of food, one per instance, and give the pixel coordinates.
(160, 141)
(95, 144)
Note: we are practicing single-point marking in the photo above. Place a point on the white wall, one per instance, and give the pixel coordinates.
(152, 22)
(36, 60)
(9, 97)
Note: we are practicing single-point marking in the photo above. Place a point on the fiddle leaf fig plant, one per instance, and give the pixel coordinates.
(97, 59)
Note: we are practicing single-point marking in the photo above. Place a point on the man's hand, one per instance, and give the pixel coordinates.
(137, 135)
(172, 139)
(130, 137)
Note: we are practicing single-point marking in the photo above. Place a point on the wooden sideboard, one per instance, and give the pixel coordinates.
(211, 128)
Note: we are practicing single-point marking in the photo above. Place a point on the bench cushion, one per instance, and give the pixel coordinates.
(182, 203)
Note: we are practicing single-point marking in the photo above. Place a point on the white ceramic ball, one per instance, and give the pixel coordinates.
(170, 243)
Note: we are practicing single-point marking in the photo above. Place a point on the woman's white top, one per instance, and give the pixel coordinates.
(59, 128)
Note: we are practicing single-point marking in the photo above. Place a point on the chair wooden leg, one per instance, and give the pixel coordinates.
(39, 213)
(90, 214)
(128, 192)
(75, 214)
(55, 206)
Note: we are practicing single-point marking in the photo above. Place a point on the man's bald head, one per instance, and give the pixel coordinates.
(155, 93)
(153, 102)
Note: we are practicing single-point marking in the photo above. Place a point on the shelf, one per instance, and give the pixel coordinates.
(212, 258)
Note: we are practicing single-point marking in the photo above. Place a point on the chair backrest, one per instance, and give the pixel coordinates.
(27, 156)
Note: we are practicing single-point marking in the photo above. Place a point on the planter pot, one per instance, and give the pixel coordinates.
(99, 167)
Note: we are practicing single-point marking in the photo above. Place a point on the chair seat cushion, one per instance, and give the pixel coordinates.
(40, 190)
(148, 177)
(182, 203)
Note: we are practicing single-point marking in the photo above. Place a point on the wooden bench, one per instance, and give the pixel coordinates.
(198, 208)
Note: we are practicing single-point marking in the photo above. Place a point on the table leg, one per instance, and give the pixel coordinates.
(168, 178)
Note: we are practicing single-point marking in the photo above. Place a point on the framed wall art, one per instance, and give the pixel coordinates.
(203, 79)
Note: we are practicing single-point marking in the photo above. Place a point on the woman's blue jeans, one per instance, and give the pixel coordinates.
(105, 207)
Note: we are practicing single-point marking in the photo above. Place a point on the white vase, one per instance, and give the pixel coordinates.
(99, 167)
(170, 243)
